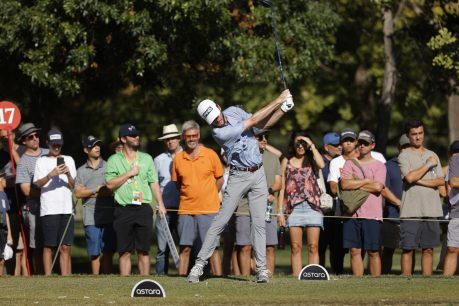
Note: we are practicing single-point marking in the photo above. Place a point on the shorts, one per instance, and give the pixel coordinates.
(100, 238)
(303, 215)
(53, 227)
(191, 227)
(362, 234)
(133, 225)
(416, 234)
(453, 233)
(33, 229)
(243, 231)
(390, 235)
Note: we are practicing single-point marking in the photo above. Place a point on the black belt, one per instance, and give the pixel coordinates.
(248, 169)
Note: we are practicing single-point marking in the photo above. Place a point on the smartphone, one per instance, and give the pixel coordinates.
(60, 161)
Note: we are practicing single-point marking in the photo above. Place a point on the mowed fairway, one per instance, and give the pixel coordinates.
(282, 290)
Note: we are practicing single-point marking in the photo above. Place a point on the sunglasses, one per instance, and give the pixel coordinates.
(363, 143)
(262, 136)
(32, 136)
(133, 136)
(301, 144)
(191, 136)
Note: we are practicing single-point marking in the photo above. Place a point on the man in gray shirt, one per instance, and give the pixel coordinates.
(450, 266)
(98, 207)
(422, 175)
(27, 135)
(232, 130)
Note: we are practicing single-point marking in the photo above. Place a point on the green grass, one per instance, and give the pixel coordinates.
(283, 288)
(243, 291)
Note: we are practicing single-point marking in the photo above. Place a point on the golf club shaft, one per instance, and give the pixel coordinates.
(279, 56)
(60, 243)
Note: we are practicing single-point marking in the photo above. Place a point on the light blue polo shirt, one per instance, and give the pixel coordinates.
(241, 146)
(171, 195)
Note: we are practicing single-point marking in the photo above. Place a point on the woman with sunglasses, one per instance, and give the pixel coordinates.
(299, 197)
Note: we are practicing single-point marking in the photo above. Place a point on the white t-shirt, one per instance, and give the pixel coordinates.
(378, 156)
(336, 166)
(56, 196)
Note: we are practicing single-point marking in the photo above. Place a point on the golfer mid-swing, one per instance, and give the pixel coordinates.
(232, 130)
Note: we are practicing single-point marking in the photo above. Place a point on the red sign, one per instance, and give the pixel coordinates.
(10, 115)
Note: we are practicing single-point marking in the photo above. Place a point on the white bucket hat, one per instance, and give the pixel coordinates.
(169, 131)
(208, 110)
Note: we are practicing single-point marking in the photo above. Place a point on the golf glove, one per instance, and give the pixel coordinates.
(287, 104)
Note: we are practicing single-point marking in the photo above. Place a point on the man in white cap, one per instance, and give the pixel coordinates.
(232, 130)
(171, 196)
(55, 175)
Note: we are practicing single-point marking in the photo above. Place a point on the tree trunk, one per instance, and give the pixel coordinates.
(390, 81)
(453, 113)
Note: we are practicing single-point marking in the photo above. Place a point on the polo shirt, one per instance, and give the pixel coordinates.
(117, 164)
(196, 178)
(240, 145)
(95, 210)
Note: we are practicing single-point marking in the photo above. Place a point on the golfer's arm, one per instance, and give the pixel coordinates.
(270, 120)
(257, 118)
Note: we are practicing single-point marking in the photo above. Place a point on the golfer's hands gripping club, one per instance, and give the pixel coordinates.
(287, 101)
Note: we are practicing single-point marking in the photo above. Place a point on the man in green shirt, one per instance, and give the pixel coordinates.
(132, 176)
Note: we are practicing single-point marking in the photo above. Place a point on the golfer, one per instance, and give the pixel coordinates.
(232, 130)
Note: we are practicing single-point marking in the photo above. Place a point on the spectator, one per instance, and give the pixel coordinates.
(271, 166)
(98, 208)
(56, 181)
(28, 135)
(331, 235)
(422, 175)
(232, 130)
(300, 198)
(171, 196)
(13, 267)
(5, 229)
(390, 231)
(132, 176)
(450, 266)
(348, 140)
(198, 173)
(364, 229)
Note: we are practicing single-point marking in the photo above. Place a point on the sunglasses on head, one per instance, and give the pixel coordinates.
(262, 136)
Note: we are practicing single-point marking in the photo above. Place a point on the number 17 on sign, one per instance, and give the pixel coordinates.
(10, 116)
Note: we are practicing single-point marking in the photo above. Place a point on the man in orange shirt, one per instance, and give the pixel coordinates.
(198, 173)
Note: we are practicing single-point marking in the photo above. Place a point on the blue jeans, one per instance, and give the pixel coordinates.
(162, 255)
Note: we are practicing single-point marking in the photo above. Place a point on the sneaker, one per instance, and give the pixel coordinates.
(195, 273)
(263, 276)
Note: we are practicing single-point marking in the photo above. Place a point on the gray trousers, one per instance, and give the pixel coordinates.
(240, 183)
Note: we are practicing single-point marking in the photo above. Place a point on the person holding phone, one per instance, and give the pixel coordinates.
(55, 175)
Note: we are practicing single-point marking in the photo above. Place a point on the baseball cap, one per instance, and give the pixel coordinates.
(208, 110)
(347, 133)
(128, 129)
(331, 138)
(55, 137)
(403, 141)
(90, 141)
(367, 136)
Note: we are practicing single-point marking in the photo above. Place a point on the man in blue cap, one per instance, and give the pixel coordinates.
(330, 235)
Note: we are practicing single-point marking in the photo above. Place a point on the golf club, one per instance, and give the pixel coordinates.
(62, 239)
(269, 4)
